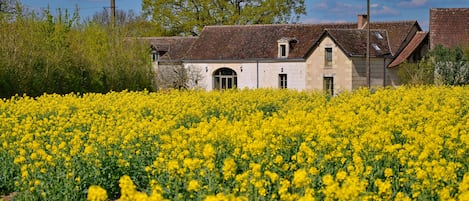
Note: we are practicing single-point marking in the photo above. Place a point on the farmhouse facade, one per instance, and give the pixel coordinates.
(329, 57)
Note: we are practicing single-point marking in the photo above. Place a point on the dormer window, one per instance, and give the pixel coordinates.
(154, 53)
(158, 51)
(379, 36)
(284, 46)
(376, 47)
(283, 51)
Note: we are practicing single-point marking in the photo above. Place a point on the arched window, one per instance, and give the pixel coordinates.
(224, 78)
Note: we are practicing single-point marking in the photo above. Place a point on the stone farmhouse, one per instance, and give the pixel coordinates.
(330, 57)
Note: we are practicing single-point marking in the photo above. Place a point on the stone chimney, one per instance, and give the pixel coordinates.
(362, 20)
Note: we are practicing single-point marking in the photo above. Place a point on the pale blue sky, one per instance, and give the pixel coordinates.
(318, 11)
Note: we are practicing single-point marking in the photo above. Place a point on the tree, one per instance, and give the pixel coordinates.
(178, 77)
(42, 53)
(122, 17)
(190, 16)
(420, 73)
(127, 23)
(7, 6)
(451, 65)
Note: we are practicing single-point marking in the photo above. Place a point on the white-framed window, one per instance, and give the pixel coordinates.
(283, 50)
(224, 78)
(283, 47)
(282, 81)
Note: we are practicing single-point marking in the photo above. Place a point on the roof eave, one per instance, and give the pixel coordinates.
(371, 56)
(248, 60)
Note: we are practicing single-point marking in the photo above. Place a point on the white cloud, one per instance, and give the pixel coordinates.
(385, 10)
(345, 9)
(322, 5)
(345, 6)
(413, 3)
(313, 20)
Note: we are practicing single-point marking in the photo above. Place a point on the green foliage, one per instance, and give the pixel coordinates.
(42, 53)
(420, 73)
(451, 65)
(189, 17)
(444, 66)
(127, 23)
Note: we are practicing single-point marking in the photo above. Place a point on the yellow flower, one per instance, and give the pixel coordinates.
(96, 193)
(340, 176)
(302, 134)
(284, 185)
(19, 160)
(313, 171)
(401, 197)
(384, 188)
(229, 168)
(388, 172)
(128, 188)
(34, 156)
(300, 178)
(278, 160)
(272, 175)
(327, 179)
(193, 185)
(147, 168)
(208, 151)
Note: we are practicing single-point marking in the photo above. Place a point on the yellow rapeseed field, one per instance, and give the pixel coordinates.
(409, 143)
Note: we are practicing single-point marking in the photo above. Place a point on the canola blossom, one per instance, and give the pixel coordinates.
(408, 143)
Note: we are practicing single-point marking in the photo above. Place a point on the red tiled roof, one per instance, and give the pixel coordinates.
(449, 27)
(353, 41)
(409, 49)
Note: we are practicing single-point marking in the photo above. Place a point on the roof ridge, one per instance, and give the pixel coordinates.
(306, 24)
(167, 37)
(354, 29)
(442, 8)
(394, 21)
(272, 25)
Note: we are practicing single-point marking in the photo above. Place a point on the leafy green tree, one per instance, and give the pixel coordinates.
(127, 22)
(108, 61)
(42, 53)
(451, 65)
(190, 16)
(420, 73)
